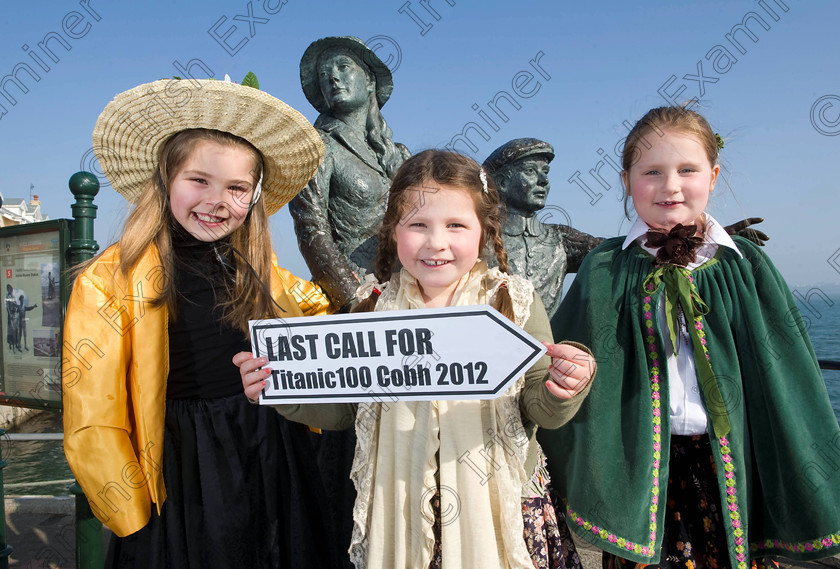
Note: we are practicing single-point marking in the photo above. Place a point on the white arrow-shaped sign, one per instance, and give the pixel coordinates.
(464, 352)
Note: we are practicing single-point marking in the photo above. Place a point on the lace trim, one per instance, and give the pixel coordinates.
(512, 438)
(361, 473)
(521, 292)
(369, 286)
(535, 487)
(367, 423)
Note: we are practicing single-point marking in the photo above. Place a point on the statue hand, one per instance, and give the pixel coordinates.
(742, 229)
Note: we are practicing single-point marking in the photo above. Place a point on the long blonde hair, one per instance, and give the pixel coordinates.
(150, 223)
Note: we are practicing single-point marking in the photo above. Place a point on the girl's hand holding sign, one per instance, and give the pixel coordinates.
(253, 374)
(570, 371)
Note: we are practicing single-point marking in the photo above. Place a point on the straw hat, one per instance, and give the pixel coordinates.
(131, 131)
(309, 72)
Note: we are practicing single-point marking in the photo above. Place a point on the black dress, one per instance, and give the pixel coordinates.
(243, 488)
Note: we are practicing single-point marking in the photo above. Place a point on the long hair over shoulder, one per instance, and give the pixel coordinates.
(150, 223)
(380, 139)
(444, 168)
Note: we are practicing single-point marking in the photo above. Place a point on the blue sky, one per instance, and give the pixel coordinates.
(775, 97)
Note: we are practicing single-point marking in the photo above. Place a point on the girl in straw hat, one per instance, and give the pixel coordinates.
(157, 431)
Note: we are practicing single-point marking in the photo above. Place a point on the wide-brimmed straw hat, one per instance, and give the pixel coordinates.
(309, 69)
(131, 131)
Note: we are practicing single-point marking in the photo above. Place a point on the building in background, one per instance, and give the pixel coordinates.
(15, 211)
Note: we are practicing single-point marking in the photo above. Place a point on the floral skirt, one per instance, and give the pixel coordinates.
(694, 533)
(548, 539)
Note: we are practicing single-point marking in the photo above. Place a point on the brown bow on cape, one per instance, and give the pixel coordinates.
(676, 247)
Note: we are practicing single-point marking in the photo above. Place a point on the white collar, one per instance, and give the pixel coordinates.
(715, 233)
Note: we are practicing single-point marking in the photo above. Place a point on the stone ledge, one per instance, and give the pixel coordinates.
(64, 505)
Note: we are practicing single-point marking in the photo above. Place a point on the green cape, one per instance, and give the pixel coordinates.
(779, 466)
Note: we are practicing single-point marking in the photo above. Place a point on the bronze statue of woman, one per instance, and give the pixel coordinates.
(339, 213)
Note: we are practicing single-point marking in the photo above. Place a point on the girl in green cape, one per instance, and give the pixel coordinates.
(709, 440)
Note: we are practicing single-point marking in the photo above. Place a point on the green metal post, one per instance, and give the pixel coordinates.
(84, 186)
(5, 549)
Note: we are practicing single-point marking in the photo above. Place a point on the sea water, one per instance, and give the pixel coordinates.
(821, 315)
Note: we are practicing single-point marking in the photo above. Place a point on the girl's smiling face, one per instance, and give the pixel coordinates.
(671, 181)
(439, 240)
(211, 193)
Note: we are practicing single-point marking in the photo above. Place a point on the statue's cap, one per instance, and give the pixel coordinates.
(516, 149)
(309, 71)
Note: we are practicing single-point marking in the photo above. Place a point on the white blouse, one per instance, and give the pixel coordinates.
(687, 414)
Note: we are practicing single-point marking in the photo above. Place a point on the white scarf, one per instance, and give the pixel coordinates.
(481, 446)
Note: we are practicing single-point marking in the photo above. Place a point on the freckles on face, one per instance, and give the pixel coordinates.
(210, 195)
(671, 181)
(439, 240)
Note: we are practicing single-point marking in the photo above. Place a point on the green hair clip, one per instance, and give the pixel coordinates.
(719, 141)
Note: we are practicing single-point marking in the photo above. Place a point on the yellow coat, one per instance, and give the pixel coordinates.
(114, 369)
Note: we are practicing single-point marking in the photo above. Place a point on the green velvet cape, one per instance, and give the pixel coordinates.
(779, 466)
